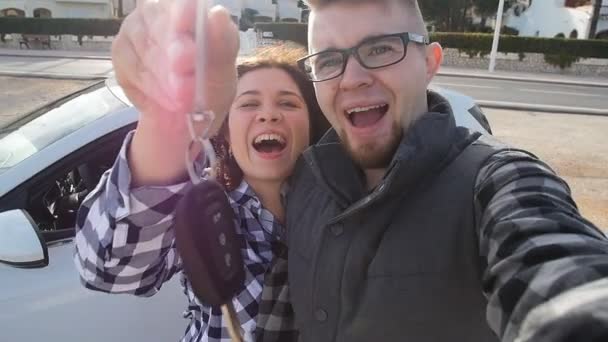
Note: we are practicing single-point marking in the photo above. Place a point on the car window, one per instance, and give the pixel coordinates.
(21, 142)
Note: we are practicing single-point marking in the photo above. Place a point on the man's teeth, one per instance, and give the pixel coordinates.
(363, 109)
(269, 137)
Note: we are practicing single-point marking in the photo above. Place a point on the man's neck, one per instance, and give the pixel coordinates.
(269, 194)
(373, 177)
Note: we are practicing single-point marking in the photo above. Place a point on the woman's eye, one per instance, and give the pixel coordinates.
(248, 105)
(289, 104)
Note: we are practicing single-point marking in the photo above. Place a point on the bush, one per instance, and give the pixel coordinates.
(515, 44)
(474, 43)
(59, 26)
(295, 32)
(562, 60)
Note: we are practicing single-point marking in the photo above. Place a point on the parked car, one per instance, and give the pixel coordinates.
(49, 161)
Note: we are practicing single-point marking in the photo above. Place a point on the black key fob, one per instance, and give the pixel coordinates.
(208, 243)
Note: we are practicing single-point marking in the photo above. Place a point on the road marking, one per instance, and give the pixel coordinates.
(534, 107)
(560, 92)
(464, 85)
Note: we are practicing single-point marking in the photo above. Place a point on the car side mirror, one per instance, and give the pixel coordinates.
(21, 243)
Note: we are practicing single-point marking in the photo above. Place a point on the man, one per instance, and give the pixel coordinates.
(403, 227)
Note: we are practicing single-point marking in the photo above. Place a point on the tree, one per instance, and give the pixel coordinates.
(595, 18)
(454, 15)
(247, 19)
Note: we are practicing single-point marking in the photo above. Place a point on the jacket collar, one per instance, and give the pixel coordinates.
(420, 153)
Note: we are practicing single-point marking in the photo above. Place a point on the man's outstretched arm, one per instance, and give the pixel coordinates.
(533, 238)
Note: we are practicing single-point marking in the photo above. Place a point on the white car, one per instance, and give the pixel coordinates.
(48, 162)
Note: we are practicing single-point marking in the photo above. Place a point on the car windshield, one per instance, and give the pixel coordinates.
(53, 122)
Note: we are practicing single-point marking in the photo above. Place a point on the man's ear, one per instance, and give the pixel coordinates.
(434, 57)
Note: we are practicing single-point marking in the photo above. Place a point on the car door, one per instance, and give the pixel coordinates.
(49, 303)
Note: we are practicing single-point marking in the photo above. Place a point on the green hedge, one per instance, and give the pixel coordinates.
(482, 42)
(59, 26)
(474, 43)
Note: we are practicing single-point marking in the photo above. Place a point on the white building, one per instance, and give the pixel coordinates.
(283, 9)
(57, 8)
(553, 18)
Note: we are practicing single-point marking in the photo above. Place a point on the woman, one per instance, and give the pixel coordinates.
(125, 242)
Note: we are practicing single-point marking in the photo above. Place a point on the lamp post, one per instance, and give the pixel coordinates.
(501, 6)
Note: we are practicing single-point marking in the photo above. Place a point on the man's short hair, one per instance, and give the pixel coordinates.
(410, 4)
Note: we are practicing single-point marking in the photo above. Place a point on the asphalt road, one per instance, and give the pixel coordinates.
(573, 145)
(527, 92)
(568, 97)
(21, 95)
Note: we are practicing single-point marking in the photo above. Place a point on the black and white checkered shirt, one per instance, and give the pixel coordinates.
(125, 244)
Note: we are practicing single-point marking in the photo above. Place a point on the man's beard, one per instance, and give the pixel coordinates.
(374, 155)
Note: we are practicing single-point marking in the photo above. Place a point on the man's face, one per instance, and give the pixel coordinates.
(370, 108)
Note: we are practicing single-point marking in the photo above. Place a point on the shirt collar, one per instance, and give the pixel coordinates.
(244, 197)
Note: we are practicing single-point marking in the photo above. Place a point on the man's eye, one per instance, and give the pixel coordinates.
(379, 50)
(328, 63)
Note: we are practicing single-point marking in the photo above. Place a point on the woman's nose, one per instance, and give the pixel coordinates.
(270, 115)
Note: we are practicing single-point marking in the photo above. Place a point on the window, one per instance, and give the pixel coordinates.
(42, 13)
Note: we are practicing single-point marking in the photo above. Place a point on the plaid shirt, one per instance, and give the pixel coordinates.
(125, 244)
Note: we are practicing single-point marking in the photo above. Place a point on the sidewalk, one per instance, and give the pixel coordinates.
(525, 77)
(56, 54)
(443, 71)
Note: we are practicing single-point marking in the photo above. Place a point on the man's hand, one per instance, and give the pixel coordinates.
(154, 57)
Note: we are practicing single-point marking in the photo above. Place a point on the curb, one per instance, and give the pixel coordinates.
(542, 108)
(92, 57)
(523, 79)
(54, 76)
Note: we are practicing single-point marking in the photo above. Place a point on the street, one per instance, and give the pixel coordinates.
(573, 145)
(54, 66)
(22, 95)
(527, 92)
(482, 90)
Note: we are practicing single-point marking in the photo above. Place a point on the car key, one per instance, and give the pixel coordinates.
(210, 248)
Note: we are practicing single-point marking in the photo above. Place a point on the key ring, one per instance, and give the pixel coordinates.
(203, 140)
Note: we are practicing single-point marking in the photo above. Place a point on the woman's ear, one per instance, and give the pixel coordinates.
(434, 57)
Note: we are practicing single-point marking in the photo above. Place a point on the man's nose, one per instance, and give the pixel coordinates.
(355, 75)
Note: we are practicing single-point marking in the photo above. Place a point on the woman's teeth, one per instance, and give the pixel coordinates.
(269, 137)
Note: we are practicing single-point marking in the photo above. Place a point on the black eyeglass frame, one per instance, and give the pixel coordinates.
(406, 38)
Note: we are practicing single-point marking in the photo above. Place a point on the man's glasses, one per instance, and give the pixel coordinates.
(372, 53)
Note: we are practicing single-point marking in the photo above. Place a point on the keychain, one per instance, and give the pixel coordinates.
(205, 232)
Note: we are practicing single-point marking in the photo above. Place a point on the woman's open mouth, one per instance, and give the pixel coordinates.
(269, 145)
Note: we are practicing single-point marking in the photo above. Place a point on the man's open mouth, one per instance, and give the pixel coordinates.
(269, 143)
(362, 117)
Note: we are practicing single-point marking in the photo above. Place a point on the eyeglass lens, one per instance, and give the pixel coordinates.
(372, 54)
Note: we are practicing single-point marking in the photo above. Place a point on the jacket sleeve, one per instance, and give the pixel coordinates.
(124, 237)
(532, 237)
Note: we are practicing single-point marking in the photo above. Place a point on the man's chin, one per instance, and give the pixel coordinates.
(370, 157)
(373, 154)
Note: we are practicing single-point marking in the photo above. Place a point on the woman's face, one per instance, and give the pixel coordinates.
(268, 125)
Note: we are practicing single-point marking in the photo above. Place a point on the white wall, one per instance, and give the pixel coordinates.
(289, 9)
(549, 18)
(63, 8)
(83, 10)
